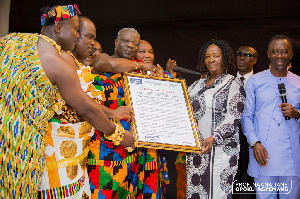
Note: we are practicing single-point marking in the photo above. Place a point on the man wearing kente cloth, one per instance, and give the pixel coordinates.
(113, 172)
(68, 138)
(32, 72)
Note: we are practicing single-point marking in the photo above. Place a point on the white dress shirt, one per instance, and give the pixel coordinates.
(246, 76)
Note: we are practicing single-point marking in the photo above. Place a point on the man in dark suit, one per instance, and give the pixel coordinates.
(246, 59)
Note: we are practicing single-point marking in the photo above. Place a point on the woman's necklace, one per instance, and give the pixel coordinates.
(52, 42)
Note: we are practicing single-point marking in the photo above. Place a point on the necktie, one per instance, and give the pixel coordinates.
(242, 79)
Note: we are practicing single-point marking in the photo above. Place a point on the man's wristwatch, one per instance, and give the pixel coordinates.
(299, 115)
(254, 143)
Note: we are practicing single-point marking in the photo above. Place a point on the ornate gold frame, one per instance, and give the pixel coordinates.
(188, 106)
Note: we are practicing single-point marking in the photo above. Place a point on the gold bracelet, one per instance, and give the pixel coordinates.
(137, 65)
(129, 148)
(114, 135)
(117, 136)
(119, 139)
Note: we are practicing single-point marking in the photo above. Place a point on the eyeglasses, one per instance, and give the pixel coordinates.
(239, 53)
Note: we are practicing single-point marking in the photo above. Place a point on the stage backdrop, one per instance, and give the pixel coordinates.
(177, 29)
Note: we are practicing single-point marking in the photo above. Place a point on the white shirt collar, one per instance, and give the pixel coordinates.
(246, 76)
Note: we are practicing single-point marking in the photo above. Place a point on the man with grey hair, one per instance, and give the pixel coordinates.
(123, 173)
(126, 47)
(130, 38)
(126, 44)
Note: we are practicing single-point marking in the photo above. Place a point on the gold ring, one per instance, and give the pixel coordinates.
(154, 70)
(129, 148)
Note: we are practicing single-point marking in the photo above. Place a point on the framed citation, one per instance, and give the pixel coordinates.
(164, 117)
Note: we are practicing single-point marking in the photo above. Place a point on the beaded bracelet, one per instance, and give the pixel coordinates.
(137, 65)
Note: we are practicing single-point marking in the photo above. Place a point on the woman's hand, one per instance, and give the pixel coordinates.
(207, 145)
(170, 66)
(159, 71)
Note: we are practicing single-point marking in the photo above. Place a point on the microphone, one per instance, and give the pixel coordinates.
(184, 70)
(282, 91)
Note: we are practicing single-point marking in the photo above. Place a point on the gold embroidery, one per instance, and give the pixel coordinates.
(72, 171)
(51, 13)
(58, 103)
(86, 142)
(91, 88)
(68, 148)
(83, 162)
(85, 145)
(66, 131)
(86, 77)
(67, 161)
(84, 129)
(69, 115)
(85, 196)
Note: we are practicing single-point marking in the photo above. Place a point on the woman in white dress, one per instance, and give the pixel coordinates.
(218, 103)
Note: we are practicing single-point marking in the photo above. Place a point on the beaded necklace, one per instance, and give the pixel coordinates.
(79, 65)
(52, 42)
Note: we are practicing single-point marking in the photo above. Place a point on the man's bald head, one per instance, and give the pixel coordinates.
(126, 44)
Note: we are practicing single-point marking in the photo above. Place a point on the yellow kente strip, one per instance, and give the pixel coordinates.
(53, 174)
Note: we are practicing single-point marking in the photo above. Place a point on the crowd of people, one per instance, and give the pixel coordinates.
(65, 126)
